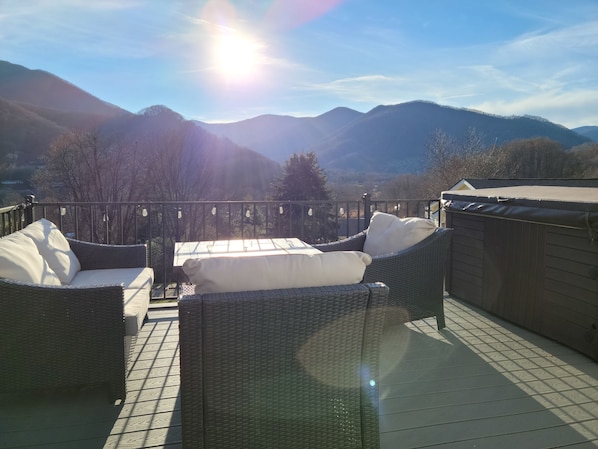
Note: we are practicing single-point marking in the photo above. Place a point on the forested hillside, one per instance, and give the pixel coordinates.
(389, 139)
(38, 109)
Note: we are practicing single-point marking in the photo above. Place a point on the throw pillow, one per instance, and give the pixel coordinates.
(233, 274)
(388, 234)
(20, 261)
(54, 248)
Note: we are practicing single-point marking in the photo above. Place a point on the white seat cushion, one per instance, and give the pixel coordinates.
(136, 303)
(266, 272)
(139, 278)
(388, 234)
(54, 248)
(20, 261)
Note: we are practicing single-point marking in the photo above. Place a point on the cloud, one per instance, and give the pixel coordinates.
(571, 108)
(551, 44)
(365, 88)
(77, 28)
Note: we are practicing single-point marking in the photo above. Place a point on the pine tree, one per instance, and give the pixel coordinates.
(313, 220)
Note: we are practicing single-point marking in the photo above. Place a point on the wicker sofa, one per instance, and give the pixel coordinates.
(55, 335)
(285, 368)
(415, 275)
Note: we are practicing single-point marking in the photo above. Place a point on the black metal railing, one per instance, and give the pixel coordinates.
(161, 224)
(13, 218)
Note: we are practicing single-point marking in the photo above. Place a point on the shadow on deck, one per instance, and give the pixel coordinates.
(481, 382)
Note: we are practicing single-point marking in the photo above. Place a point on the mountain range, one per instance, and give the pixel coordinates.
(387, 138)
(36, 106)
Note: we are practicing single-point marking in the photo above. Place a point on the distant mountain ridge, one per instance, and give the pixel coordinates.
(45, 90)
(390, 139)
(278, 136)
(396, 136)
(36, 106)
(24, 135)
(588, 131)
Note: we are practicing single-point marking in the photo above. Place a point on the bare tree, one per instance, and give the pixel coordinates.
(406, 186)
(83, 168)
(449, 160)
(583, 161)
(534, 158)
(179, 171)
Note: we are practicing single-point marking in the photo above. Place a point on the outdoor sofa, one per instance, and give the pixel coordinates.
(284, 368)
(409, 256)
(70, 310)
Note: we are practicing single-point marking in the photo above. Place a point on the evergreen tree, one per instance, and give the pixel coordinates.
(313, 220)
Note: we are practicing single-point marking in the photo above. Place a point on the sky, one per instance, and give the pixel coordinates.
(229, 60)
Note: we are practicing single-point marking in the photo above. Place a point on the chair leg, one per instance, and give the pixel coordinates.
(440, 320)
(118, 390)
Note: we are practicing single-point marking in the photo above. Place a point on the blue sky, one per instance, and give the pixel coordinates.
(227, 60)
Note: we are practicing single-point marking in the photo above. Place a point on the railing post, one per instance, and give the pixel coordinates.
(29, 200)
(367, 211)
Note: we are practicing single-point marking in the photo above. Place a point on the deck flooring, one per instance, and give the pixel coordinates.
(479, 383)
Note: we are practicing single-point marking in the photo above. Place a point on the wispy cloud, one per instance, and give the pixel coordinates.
(366, 88)
(571, 108)
(76, 27)
(553, 44)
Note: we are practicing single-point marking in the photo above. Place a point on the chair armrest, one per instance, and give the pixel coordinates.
(95, 256)
(59, 336)
(55, 308)
(430, 251)
(414, 275)
(353, 243)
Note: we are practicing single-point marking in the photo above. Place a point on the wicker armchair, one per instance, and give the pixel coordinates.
(67, 336)
(415, 275)
(291, 368)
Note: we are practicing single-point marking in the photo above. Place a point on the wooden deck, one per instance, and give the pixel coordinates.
(479, 383)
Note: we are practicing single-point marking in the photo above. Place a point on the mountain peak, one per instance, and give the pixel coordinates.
(43, 89)
(161, 111)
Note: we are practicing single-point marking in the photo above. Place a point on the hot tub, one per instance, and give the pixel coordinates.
(529, 254)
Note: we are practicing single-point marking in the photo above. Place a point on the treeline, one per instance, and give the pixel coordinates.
(152, 156)
(181, 162)
(448, 160)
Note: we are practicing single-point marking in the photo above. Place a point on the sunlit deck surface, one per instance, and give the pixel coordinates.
(479, 383)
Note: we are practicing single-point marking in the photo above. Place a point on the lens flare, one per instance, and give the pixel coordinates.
(237, 57)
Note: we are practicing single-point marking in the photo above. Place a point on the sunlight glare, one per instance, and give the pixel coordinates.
(237, 57)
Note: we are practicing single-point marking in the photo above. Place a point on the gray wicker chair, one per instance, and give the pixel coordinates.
(415, 275)
(65, 336)
(291, 368)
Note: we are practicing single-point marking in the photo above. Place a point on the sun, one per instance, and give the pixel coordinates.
(238, 57)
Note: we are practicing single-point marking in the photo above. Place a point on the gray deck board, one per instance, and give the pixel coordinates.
(479, 383)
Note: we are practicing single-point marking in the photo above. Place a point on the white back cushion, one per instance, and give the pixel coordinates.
(234, 274)
(20, 261)
(54, 248)
(388, 234)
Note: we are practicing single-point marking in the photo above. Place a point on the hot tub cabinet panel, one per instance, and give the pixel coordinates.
(540, 273)
(571, 289)
(465, 267)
